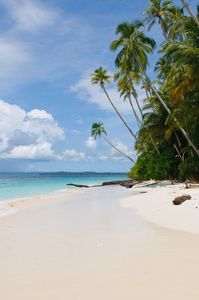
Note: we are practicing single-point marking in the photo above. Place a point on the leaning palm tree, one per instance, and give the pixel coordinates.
(98, 130)
(125, 85)
(156, 11)
(125, 91)
(100, 77)
(190, 12)
(138, 45)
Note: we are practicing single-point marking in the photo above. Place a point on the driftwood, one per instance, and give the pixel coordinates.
(191, 184)
(179, 200)
(125, 183)
(148, 184)
(78, 185)
(121, 182)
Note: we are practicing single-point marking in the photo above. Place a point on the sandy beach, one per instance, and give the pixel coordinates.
(102, 243)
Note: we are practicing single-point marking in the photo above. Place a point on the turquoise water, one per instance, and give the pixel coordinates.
(22, 185)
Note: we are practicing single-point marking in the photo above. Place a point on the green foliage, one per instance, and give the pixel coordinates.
(153, 166)
(189, 168)
(170, 116)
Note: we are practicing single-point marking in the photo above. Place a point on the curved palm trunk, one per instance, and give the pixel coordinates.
(117, 148)
(148, 93)
(190, 12)
(141, 144)
(166, 107)
(135, 114)
(147, 128)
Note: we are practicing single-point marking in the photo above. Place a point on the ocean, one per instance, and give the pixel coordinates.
(22, 185)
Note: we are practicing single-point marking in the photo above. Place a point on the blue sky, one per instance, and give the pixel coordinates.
(48, 49)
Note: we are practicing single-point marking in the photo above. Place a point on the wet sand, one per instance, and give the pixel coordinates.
(82, 245)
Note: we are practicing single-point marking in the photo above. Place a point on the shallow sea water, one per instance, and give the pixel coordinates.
(23, 185)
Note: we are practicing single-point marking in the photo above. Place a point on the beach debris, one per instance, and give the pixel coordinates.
(125, 183)
(78, 185)
(191, 184)
(128, 185)
(180, 199)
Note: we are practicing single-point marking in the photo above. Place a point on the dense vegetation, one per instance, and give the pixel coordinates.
(167, 142)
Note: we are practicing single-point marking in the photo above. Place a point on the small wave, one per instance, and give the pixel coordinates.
(6, 209)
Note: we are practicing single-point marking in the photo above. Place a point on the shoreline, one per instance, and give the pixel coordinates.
(150, 200)
(85, 245)
(154, 204)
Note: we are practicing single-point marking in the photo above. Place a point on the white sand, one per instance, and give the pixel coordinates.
(82, 245)
(154, 204)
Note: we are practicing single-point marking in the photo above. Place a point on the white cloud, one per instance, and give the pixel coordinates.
(13, 55)
(116, 155)
(39, 151)
(102, 157)
(91, 143)
(73, 155)
(39, 114)
(30, 15)
(94, 94)
(3, 142)
(27, 135)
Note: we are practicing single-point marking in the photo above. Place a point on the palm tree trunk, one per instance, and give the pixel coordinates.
(190, 12)
(147, 93)
(176, 148)
(166, 107)
(141, 144)
(135, 114)
(177, 138)
(117, 148)
(147, 128)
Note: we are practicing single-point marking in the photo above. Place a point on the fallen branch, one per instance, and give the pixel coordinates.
(78, 185)
(192, 186)
(125, 183)
(121, 182)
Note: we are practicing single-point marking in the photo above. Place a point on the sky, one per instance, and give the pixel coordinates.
(48, 51)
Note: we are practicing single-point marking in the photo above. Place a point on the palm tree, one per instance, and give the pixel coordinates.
(190, 12)
(124, 88)
(156, 11)
(100, 77)
(176, 23)
(138, 45)
(98, 130)
(183, 75)
(125, 85)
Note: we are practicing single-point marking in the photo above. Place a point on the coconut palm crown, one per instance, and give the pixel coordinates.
(100, 77)
(156, 11)
(97, 130)
(132, 40)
